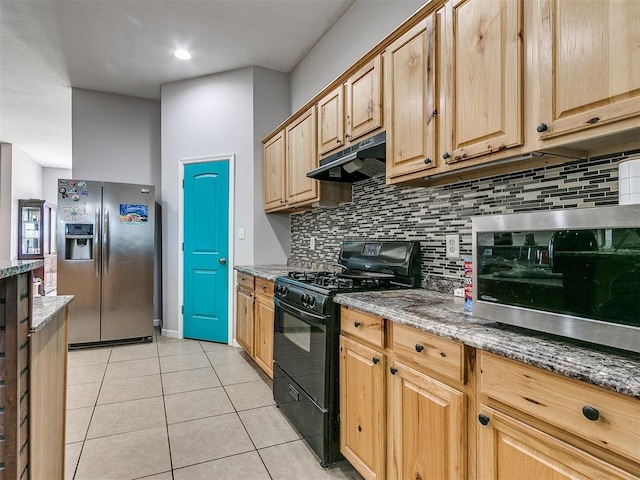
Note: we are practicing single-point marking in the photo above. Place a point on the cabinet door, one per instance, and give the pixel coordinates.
(409, 101)
(302, 157)
(589, 64)
(331, 121)
(484, 94)
(510, 449)
(263, 343)
(362, 408)
(244, 319)
(274, 173)
(427, 422)
(364, 100)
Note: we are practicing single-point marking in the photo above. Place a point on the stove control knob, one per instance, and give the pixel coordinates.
(282, 290)
(312, 301)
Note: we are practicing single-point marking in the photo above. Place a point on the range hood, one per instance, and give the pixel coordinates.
(355, 163)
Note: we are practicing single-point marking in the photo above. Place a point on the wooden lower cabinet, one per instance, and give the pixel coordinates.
(244, 319)
(254, 319)
(510, 449)
(263, 339)
(426, 421)
(47, 414)
(534, 424)
(362, 408)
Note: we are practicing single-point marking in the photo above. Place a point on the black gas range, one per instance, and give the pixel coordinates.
(307, 329)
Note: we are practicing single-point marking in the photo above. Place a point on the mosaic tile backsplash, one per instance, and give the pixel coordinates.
(387, 212)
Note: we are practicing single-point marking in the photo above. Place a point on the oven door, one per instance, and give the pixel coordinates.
(300, 348)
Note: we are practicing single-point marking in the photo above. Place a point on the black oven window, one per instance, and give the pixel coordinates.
(297, 332)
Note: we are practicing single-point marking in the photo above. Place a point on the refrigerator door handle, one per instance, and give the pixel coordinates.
(96, 243)
(105, 241)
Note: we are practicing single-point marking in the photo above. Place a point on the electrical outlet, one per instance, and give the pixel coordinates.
(453, 246)
(312, 243)
(458, 292)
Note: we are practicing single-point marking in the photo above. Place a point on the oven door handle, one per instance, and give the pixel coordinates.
(308, 318)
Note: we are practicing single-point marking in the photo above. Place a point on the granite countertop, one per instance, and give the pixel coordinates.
(15, 267)
(444, 315)
(267, 272)
(46, 308)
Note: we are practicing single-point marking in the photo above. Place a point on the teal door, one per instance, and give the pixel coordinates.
(206, 247)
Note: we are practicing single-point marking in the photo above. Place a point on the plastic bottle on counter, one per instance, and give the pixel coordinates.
(468, 284)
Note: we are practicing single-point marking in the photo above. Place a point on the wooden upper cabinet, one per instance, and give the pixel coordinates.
(483, 82)
(409, 102)
(274, 173)
(589, 64)
(331, 121)
(302, 157)
(364, 100)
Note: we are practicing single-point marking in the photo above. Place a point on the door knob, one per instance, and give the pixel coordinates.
(222, 261)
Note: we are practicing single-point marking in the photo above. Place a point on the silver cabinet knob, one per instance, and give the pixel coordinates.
(222, 261)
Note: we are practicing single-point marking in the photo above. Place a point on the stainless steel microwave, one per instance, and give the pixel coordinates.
(571, 272)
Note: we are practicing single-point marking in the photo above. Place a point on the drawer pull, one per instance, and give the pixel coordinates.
(591, 413)
(483, 419)
(356, 324)
(393, 370)
(264, 288)
(419, 348)
(375, 360)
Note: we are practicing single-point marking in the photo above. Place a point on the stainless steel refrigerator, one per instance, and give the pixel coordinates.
(105, 258)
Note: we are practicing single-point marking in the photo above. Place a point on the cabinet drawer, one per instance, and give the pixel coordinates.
(245, 280)
(363, 326)
(264, 287)
(436, 353)
(565, 403)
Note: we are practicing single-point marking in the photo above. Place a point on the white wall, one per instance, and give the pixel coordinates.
(5, 200)
(50, 178)
(271, 106)
(206, 116)
(361, 28)
(26, 182)
(116, 138)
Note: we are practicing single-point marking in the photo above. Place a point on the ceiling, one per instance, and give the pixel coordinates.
(126, 47)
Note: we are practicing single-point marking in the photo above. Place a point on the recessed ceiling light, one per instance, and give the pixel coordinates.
(182, 54)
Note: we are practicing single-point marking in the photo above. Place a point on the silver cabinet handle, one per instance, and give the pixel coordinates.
(222, 261)
(105, 241)
(96, 242)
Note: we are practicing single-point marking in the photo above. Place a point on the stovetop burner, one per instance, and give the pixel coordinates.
(347, 280)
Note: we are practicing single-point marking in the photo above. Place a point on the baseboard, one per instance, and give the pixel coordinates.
(170, 333)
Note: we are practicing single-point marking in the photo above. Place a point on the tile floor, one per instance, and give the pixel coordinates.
(180, 410)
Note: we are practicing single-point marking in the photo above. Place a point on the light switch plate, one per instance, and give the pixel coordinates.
(241, 233)
(453, 246)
